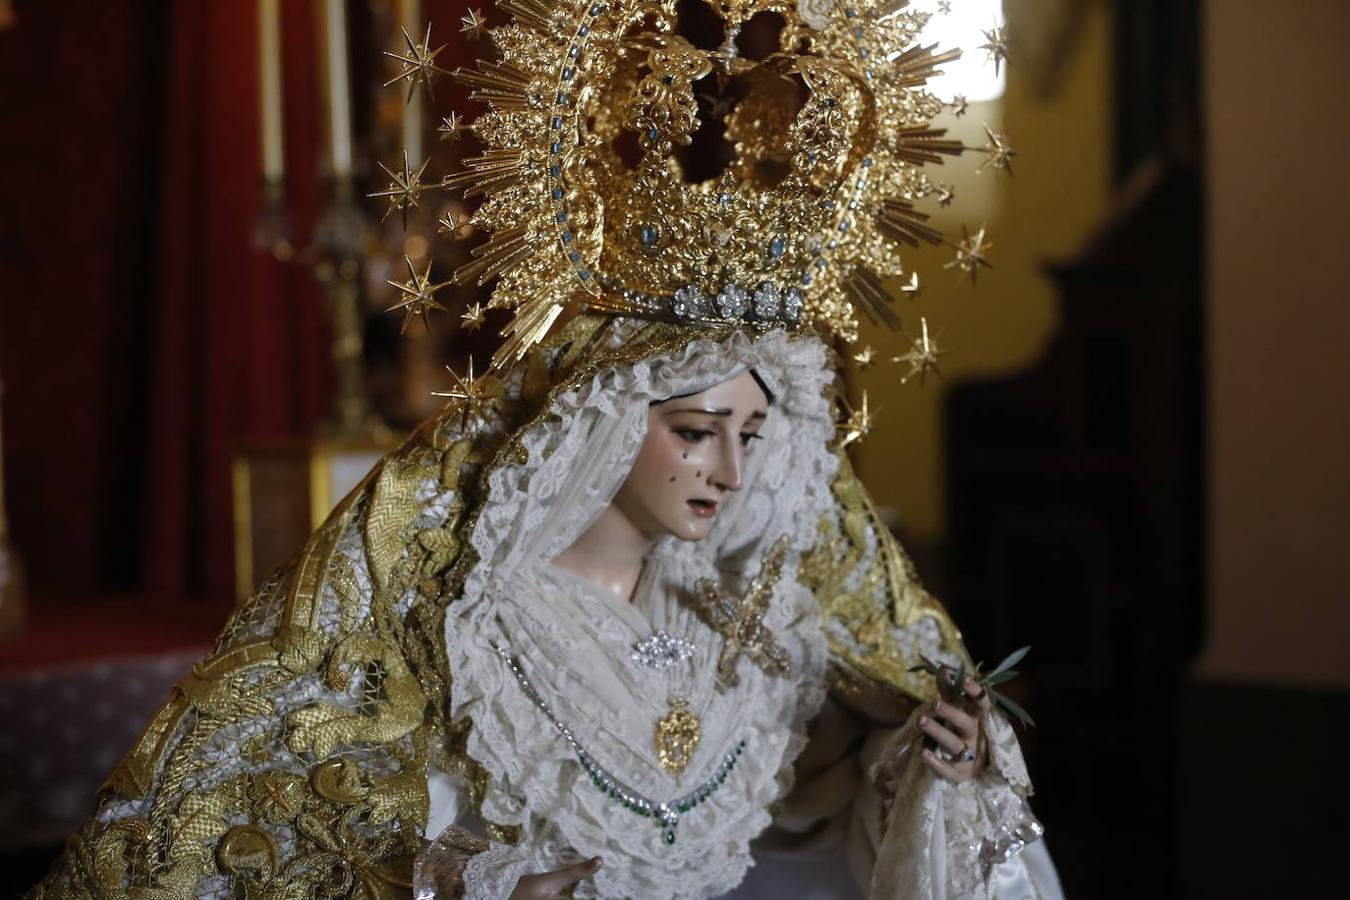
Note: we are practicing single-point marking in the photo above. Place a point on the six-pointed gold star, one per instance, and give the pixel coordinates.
(998, 153)
(475, 395)
(945, 194)
(857, 425)
(455, 224)
(474, 24)
(922, 356)
(418, 64)
(865, 358)
(473, 317)
(452, 126)
(419, 295)
(996, 45)
(404, 191)
(970, 253)
(959, 105)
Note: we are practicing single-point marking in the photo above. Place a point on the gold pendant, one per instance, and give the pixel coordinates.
(676, 736)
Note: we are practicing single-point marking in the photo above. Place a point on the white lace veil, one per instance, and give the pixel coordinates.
(581, 454)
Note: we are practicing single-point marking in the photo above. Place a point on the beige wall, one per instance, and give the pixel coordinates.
(1059, 191)
(1278, 158)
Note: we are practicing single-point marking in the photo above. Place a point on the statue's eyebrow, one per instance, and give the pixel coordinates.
(718, 411)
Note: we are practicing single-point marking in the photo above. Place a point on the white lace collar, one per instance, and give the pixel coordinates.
(574, 643)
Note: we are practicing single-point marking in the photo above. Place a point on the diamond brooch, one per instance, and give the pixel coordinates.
(661, 651)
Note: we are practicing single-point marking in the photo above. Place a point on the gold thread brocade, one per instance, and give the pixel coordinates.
(322, 798)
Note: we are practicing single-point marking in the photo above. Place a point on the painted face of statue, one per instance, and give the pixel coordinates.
(693, 458)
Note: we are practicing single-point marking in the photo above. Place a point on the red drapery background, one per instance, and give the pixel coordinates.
(142, 336)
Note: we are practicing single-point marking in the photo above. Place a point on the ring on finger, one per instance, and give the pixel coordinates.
(965, 755)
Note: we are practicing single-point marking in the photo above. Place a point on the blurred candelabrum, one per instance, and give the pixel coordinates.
(340, 239)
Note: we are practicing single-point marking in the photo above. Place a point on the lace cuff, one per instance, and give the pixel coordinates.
(942, 840)
(459, 865)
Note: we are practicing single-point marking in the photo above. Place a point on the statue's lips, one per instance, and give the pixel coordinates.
(704, 508)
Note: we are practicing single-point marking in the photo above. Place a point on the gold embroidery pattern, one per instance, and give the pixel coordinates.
(869, 592)
(291, 763)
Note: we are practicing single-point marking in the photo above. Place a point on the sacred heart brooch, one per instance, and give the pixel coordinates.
(677, 736)
(740, 620)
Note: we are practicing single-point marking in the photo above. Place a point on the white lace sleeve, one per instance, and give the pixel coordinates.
(459, 865)
(943, 841)
(492, 875)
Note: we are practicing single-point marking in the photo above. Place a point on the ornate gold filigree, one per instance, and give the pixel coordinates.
(740, 620)
(676, 737)
(831, 133)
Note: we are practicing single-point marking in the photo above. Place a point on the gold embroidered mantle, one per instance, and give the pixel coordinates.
(292, 762)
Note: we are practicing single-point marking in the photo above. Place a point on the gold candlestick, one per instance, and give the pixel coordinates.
(340, 239)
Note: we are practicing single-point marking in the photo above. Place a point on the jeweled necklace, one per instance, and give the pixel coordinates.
(667, 815)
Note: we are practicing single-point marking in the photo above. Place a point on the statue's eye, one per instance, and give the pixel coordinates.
(694, 435)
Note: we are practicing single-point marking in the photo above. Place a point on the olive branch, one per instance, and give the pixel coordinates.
(1004, 671)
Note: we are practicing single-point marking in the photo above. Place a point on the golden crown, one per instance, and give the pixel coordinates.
(587, 198)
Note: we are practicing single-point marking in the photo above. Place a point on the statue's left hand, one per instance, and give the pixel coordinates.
(956, 723)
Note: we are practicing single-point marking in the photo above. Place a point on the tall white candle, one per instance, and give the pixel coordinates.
(410, 16)
(269, 86)
(339, 99)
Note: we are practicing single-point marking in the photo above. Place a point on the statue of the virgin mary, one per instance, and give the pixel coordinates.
(620, 621)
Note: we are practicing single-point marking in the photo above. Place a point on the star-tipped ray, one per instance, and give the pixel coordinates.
(474, 24)
(404, 190)
(419, 296)
(959, 105)
(472, 318)
(865, 358)
(996, 45)
(455, 225)
(452, 126)
(970, 253)
(922, 356)
(475, 395)
(998, 153)
(857, 424)
(945, 194)
(418, 64)
(912, 289)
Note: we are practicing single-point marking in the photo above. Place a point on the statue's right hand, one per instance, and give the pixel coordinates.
(547, 885)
